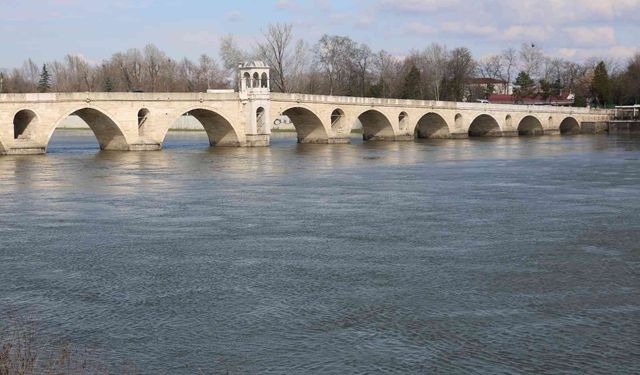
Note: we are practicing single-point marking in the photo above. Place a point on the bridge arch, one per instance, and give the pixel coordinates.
(308, 125)
(432, 125)
(376, 126)
(24, 121)
(219, 129)
(569, 126)
(106, 130)
(484, 125)
(530, 125)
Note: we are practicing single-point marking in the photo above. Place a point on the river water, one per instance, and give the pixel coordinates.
(511, 255)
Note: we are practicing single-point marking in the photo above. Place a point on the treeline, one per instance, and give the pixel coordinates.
(338, 65)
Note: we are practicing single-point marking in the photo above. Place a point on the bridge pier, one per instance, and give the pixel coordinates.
(339, 140)
(145, 147)
(25, 147)
(459, 135)
(257, 140)
(551, 132)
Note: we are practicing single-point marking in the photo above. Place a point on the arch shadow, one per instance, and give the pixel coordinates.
(309, 127)
(376, 126)
(484, 126)
(570, 126)
(107, 132)
(219, 130)
(529, 126)
(432, 125)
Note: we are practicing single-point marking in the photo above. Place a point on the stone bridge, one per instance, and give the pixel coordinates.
(140, 121)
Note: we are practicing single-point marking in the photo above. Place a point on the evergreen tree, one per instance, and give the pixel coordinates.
(489, 90)
(601, 85)
(45, 80)
(545, 89)
(411, 88)
(108, 84)
(526, 87)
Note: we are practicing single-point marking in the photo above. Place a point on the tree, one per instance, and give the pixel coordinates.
(386, 68)
(532, 59)
(525, 86)
(489, 90)
(108, 84)
(545, 88)
(601, 85)
(460, 69)
(334, 55)
(1, 82)
(44, 84)
(436, 59)
(411, 88)
(510, 60)
(285, 59)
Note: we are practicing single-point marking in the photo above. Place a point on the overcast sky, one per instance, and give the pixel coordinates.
(48, 29)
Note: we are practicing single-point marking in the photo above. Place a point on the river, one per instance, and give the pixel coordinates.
(505, 255)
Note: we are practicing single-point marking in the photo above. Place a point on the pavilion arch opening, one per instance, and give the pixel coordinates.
(247, 80)
(264, 81)
(530, 125)
(219, 131)
(376, 126)
(484, 126)
(261, 120)
(143, 116)
(23, 123)
(256, 80)
(432, 125)
(403, 121)
(338, 121)
(569, 126)
(309, 127)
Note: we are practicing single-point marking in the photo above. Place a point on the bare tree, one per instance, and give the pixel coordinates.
(437, 58)
(532, 59)
(362, 61)
(459, 70)
(284, 58)
(509, 63)
(334, 55)
(386, 68)
(153, 61)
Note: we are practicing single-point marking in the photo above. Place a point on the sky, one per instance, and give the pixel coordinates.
(45, 30)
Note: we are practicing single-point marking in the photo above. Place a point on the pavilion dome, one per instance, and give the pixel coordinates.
(253, 64)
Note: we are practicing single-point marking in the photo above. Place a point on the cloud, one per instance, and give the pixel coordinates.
(418, 6)
(234, 16)
(469, 29)
(591, 36)
(520, 33)
(420, 29)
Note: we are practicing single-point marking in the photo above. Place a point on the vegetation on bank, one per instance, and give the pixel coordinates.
(338, 65)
